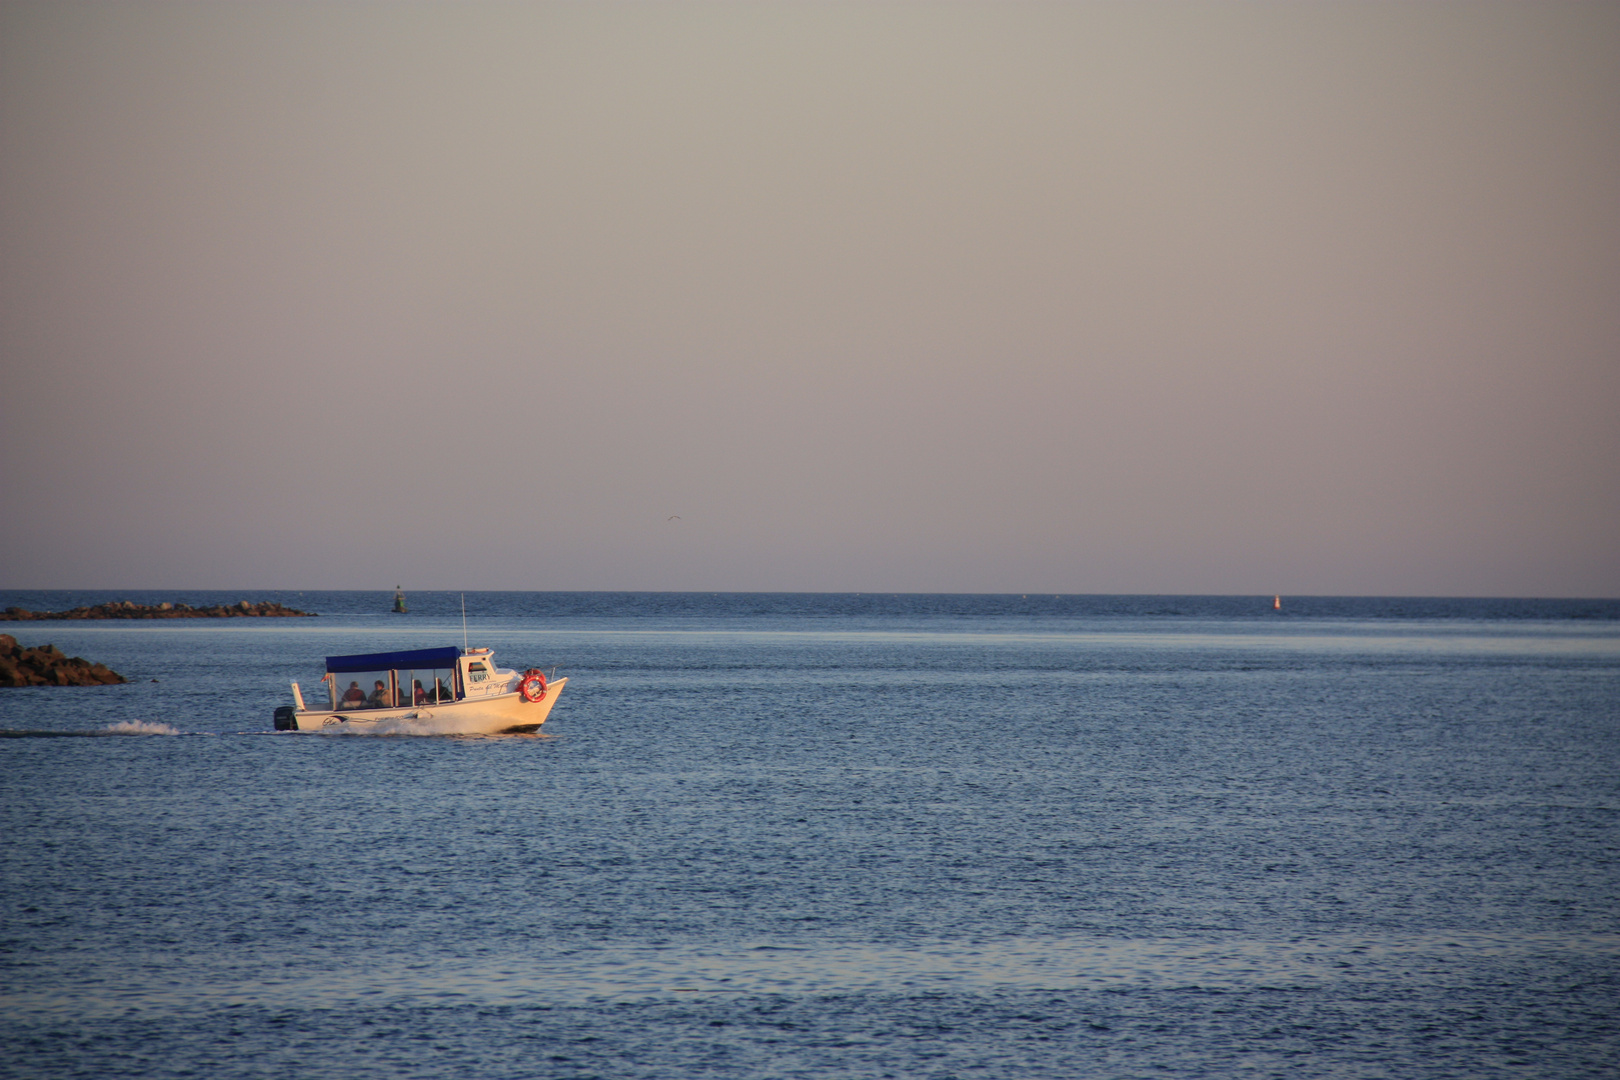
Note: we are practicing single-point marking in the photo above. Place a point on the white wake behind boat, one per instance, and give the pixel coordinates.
(446, 691)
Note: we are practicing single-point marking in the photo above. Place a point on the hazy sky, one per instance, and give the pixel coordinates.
(1137, 297)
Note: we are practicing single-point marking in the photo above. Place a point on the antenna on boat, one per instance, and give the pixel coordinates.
(464, 624)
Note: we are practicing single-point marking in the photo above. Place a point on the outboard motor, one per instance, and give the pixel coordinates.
(285, 720)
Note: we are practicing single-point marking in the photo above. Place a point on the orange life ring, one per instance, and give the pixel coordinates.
(533, 686)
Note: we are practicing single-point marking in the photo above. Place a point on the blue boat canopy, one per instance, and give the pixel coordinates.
(417, 659)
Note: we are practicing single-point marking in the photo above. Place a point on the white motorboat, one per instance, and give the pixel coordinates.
(446, 691)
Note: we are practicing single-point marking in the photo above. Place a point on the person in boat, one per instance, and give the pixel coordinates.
(379, 696)
(353, 697)
(421, 696)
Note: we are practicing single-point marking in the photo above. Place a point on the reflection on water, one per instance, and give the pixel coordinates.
(584, 974)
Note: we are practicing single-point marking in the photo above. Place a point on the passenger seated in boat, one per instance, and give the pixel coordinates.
(379, 696)
(422, 697)
(353, 697)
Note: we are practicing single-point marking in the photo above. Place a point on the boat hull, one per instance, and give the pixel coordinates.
(496, 714)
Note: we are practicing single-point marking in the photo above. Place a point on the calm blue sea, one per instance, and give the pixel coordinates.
(828, 836)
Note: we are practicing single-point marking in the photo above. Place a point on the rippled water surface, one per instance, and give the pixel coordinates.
(790, 836)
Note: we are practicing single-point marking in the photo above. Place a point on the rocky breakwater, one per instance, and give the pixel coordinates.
(48, 666)
(123, 609)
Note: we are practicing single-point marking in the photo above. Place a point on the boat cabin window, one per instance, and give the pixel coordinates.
(364, 689)
(477, 671)
(427, 686)
(392, 689)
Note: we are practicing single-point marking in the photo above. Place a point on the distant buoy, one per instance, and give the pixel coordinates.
(1276, 603)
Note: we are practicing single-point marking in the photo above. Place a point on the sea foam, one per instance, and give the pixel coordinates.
(140, 727)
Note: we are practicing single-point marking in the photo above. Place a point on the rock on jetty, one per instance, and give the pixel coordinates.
(123, 609)
(47, 666)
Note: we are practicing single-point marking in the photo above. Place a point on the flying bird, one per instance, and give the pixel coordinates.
(673, 517)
